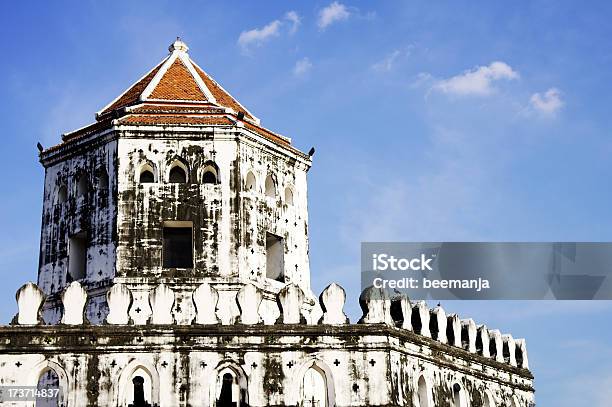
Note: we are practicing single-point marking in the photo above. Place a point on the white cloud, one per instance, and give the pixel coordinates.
(258, 36)
(332, 13)
(548, 102)
(302, 67)
(478, 81)
(386, 64)
(294, 19)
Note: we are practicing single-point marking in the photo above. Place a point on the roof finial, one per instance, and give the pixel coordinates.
(178, 45)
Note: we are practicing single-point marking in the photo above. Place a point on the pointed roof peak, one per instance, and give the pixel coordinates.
(178, 46)
(178, 80)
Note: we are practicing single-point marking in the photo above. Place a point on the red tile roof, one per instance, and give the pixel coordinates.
(175, 92)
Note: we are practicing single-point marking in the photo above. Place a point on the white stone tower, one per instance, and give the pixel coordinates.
(176, 183)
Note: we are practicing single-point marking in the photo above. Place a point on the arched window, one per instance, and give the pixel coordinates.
(314, 388)
(139, 389)
(488, 400)
(49, 381)
(423, 393)
(82, 186)
(177, 175)
(230, 389)
(288, 196)
(62, 194)
(103, 180)
(270, 187)
(459, 396)
(146, 175)
(210, 173)
(251, 182)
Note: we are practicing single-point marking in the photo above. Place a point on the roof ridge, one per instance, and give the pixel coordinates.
(107, 108)
(209, 77)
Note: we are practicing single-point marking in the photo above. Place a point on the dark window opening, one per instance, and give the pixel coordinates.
(82, 186)
(146, 177)
(139, 396)
(225, 397)
(77, 256)
(450, 331)
(416, 321)
(62, 194)
(275, 257)
(178, 247)
(209, 178)
(103, 181)
(177, 175)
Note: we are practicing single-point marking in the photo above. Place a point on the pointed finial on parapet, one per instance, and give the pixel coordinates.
(290, 300)
(522, 359)
(249, 299)
(401, 311)
(161, 300)
(74, 299)
(119, 300)
(205, 299)
(422, 314)
(332, 301)
(439, 317)
(30, 300)
(376, 306)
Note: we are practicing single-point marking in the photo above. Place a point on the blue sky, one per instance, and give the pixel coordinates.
(432, 121)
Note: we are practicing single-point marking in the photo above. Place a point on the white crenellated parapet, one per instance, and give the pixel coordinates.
(119, 299)
(509, 342)
(454, 323)
(422, 311)
(521, 345)
(161, 300)
(401, 311)
(332, 301)
(249, 299)
(496, 337)
(74, 299)
(483, 333)
(205, 299)
(439, 315)
(290, 299)
(376, 306)
(30, 300)
(470, 326)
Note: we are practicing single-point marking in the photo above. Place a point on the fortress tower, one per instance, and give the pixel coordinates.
(176, 182)
(174, 273)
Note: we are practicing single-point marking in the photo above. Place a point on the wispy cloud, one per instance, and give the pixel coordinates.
(302, 67)
(548, 103)
(295, 21)
(387, 63)
(258, 36)
(332, 13)
(478, 81)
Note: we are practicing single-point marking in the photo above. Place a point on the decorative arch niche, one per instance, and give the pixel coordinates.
(423, 396)
(146, 174)
(229, 386)
(178, 173)
(270, 187)
(49, 374)
(82, 186)
(313, 385)
(62, 194)
(210, 173)
(288, 196)
(251, 182)
(138, 374)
